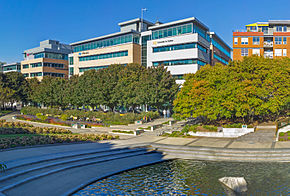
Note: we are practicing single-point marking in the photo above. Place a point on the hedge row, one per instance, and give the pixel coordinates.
(10, 142)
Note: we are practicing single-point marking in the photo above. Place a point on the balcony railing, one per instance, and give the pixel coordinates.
(268, 44)
(245, 30)
(268, 55)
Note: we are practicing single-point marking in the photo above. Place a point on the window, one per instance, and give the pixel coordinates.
(244, 40)
(178, 77)
(278, 40)
(26, 75)
(179, 62)
(51, 55)
(244, 51)
(278, 52)
(256, 52)
(71, 60)
(33, 65)
(284, 40)
(35, 74)
(25, 66)
(71, 71)
(174, 47)
(53, 74)
(172, 31)
(281, 28)
(225, 50)
(107, 42)
(104, 56)
(236, 40)
(284, 52)
(90, 68)
(256, 40)
(54, 65)
(220, 59)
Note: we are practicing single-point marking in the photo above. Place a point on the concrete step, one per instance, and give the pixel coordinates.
(38, 167)
(65, 182)
(201, 153)
(47, 158)
(34, 174)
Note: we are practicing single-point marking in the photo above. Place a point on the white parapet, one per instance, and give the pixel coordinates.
(226, 132)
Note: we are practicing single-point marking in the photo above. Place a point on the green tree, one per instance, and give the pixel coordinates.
(255, 88)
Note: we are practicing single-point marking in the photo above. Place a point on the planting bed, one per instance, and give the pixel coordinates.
(22, 134)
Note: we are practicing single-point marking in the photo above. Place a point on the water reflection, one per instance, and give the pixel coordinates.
(187, 177)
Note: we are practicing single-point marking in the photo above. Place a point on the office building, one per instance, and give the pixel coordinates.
(11, 67)
(117, 48)
(182, 46)
(49, 59)
(269, 39)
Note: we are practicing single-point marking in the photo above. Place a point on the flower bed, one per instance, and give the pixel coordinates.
(109, 118)
(13, 134)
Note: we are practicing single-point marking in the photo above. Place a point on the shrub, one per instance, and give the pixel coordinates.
(281, 134)
(210, 127)
(41, 116)
(234, 125)
(64, 117)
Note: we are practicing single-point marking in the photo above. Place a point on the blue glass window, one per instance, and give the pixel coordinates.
(90, 68)
(104, 56)
(108, 42)
(179, 62)
(172, 31)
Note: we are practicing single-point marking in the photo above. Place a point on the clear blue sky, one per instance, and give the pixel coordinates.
(24, 23)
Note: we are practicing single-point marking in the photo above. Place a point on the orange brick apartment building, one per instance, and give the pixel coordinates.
(269, 39)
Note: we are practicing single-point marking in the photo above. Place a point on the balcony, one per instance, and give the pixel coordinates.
(268, 44)
(268, 55)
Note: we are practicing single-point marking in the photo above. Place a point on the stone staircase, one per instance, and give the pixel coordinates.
(223, 154)
(64, 173)
(262, 134)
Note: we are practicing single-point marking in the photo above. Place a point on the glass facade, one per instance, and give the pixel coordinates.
(172, 31)
(55, 65)
(179, 62)
(35, 74)
(179, 47)
(25, 66)
(51, 56)
(108, 42)
(104, 56)
(179, 30)
(33, 65)
(90, 68)
(144, 41)
(53, 74)
(10, 68)
(222, 49)
(220, 59)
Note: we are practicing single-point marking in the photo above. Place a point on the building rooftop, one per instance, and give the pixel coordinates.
(192, 19)
(50, 46)
(284, 22)
(103, 37)
(134, 21)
